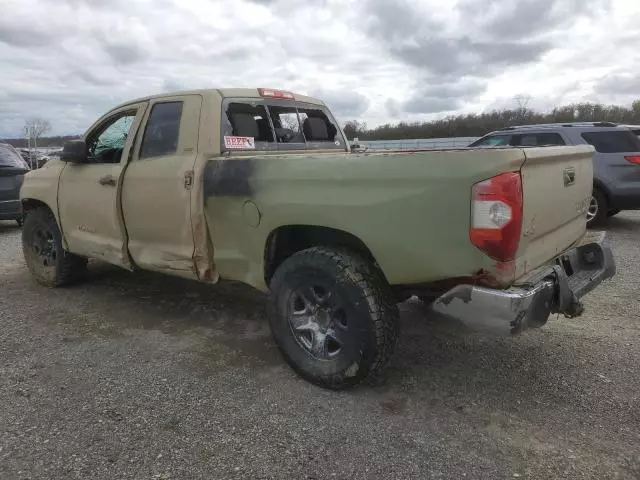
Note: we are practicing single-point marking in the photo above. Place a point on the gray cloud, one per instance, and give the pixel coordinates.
(431, 97)
(403, 30)
(172, 85)
(393, 107)
(619, 83)
(509, 19)
(23, 35)
(373, 60)
(463, 56)
(343, 103)
(123, 54)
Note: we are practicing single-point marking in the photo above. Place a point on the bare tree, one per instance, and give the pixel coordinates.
(523, 101)
(34, 128)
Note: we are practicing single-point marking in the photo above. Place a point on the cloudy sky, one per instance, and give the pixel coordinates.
(373, 60)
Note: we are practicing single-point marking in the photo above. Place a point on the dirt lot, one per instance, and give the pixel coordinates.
(142, 376)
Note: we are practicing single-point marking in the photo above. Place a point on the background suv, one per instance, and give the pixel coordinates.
(12, 170)
(616, 169)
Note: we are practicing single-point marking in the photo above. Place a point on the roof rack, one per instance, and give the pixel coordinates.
(566, 124)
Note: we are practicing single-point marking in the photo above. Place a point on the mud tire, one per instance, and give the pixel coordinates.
(369, 322)
(47, 261)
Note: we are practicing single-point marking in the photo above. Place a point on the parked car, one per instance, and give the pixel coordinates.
(12, 171)
(33, 158)
(259, 186)
(634, 128)
(616, 174)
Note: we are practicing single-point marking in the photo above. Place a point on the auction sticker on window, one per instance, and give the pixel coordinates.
(239, 142)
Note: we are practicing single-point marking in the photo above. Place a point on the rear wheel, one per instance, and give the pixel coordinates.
(332, 316)
(597, 211)
(20, 221)
(47, 261)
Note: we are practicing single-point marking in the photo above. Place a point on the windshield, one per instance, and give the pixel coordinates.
(9, 157)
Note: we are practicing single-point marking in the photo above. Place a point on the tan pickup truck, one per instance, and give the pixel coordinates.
(259, 186)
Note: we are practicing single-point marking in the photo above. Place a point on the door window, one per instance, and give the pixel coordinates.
(537, 139)
(492, 141)
(614, 141)
(162, 131)
(107, 143)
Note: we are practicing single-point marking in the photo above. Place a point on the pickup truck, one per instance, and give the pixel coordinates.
(260, 186)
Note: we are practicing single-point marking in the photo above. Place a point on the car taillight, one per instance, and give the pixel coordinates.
(272, 93)
(633, 159)
(496, 216)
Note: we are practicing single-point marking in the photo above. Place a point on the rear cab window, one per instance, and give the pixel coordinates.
(274, 124)
(613, 141)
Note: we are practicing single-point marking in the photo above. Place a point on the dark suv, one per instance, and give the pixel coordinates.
(12, 170)
(616, 169)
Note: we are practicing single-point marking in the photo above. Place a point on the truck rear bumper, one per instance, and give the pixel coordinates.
(554, 288)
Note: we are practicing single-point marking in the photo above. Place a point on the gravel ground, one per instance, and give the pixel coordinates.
(142, 376)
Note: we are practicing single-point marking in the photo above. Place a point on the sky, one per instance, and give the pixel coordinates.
(377, 61)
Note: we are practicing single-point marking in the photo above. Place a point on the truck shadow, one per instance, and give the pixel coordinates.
(438, 364)
(437, 361)
(8, 226)
(623, 222)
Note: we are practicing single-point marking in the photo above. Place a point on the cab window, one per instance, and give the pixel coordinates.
(537, 140)
(492, 141)
(162, 131)
(107, 142)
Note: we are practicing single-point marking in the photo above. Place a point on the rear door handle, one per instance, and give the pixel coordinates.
(108, 180)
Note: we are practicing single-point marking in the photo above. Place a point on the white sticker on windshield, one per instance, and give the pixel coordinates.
(239, 142)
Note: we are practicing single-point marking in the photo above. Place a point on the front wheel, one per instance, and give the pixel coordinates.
(47, 261)
(332, 315)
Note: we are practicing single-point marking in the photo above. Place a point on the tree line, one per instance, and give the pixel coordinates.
(478, 124)
(464, 125)
(47, 142)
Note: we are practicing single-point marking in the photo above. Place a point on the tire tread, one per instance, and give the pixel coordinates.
(381, 307)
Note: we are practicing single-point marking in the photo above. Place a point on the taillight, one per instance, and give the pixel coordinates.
(633, 159)
(496, 216)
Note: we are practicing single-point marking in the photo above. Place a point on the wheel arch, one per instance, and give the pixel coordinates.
(287, 240)
(31, 203)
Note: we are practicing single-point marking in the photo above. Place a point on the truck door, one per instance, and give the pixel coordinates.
(90, 217)
(157, 186)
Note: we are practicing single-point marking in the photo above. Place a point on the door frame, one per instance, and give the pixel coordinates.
(141, 108)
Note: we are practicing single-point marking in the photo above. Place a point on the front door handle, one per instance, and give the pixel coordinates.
(108, 181)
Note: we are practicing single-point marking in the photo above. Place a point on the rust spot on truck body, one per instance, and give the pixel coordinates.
(203, 263)
(228, 177)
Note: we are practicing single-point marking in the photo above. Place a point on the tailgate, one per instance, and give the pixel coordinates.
(557, 183)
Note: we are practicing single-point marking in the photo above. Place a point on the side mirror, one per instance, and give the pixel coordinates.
(74, 152)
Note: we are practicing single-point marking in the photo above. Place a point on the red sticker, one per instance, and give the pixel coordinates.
(239, 142)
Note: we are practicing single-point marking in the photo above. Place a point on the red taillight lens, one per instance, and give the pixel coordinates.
(496, 216)
(633, 159)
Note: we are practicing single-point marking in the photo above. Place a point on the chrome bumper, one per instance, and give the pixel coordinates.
(554, 288)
